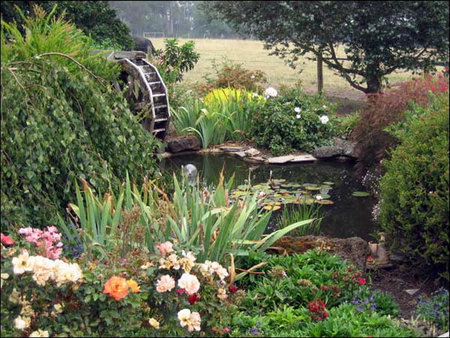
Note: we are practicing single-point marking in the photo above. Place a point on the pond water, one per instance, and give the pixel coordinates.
(349, 215)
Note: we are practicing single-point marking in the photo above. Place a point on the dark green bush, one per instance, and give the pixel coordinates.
(415, 189)
(61, 122)
(293, 122)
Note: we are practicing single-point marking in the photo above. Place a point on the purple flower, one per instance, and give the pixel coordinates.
(254, 330)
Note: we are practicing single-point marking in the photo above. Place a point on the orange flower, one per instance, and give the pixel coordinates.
(133, 285)
(117, 287)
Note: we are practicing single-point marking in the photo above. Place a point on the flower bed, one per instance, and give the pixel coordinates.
(169, 293)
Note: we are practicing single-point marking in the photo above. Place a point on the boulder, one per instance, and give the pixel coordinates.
(340, 148)
(252, 152)
(183, 143)
(354, 249)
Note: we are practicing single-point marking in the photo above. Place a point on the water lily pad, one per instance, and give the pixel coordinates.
(360, 194)
(325, 202)
(328, 183)
(312, 187)
(324, 196)
(239, 193)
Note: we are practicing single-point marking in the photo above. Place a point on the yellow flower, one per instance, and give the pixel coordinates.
(153, 322)
(133, 285)
(4, 276)
(39, 333)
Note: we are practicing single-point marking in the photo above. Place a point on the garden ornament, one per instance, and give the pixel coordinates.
(380, 255)
(190, 171)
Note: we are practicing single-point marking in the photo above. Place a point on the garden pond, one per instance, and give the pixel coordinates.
(347, 216)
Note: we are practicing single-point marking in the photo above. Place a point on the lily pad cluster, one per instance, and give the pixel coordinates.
(277, 192)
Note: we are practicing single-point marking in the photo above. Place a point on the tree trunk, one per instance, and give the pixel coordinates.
(373, 84)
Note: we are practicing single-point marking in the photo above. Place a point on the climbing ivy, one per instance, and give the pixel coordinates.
(58, 126)
(61, 121)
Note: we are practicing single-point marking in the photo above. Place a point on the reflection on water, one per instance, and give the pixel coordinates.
(349, 216)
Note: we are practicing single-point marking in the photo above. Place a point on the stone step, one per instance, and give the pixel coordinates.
(292, 159)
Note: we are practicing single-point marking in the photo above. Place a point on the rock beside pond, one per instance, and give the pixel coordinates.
(252, 152)
(354, 249)
(183, 143)
(340, 148)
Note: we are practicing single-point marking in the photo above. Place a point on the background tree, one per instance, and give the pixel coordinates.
(378, 37)
(95, 18)
(171, 19)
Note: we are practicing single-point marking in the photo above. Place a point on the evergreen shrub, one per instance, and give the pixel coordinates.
(415, 188)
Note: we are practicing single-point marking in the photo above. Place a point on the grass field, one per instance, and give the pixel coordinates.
(252, 55)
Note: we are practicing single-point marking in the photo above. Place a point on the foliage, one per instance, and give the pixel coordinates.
(295, 121)
(222, 115)
(298, 213)
(167, 292)
(414, 190)
(379, 301)
(175, 60)
(376, 38)
(435, 309)
(346, 125)
(111, 227)
(233, 75)
(61, 121)
(300, 279)
(385, 109)
(289, 321)
(95, 18)
(139, 296)
(48, 33)
(282, 301)
(137, 218)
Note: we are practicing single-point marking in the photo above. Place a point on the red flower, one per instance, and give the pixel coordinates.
(361, 281)
(232, 288)
(323, 287)
(193, 298)
(6, 240)
(181, 291)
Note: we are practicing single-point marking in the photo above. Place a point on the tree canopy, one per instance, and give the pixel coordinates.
(94, 18)
(377, 37)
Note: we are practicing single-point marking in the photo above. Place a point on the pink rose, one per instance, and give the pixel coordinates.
(165, 283)
(189, 283)
(166, 247)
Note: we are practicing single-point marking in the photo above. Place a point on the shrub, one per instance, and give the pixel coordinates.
(385, 109)
(145, 295)
(292, 122)
(414, 191)
(59, 122)
(175, 60)
(232, 75)
(346, 125)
